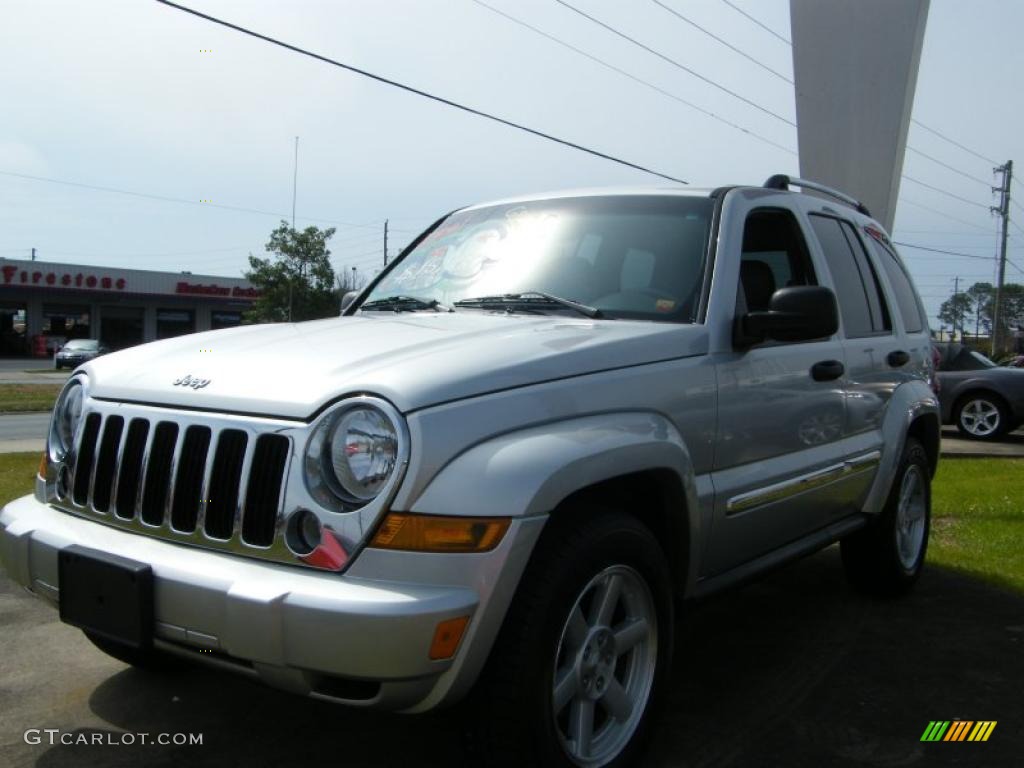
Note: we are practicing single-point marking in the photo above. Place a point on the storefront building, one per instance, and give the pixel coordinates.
(43, 304)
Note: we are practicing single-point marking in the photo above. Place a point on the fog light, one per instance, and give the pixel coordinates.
(302, 534)
(447, 637)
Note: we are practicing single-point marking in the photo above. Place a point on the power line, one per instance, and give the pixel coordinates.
(942, 191)
(953, 142)
(727, 44)
(950, 167)
(633, 77)
(167, 199)
(940, 250)
(943, 214)
(671, 61)
(759, 23)
(418, 92)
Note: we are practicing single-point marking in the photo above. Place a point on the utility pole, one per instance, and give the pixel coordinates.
(295, 179)
(33, 254)
(1004, 212)
(956, 307)
(385, 242)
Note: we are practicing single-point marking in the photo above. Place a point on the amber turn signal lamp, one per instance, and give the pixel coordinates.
(447, 637)
(42, 465)
(437, 533)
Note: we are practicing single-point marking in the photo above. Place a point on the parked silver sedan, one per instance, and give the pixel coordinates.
(78, 351)
(984, 400)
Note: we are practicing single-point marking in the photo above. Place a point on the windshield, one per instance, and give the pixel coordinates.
(81, 344)
(985, 362)
(636, 257)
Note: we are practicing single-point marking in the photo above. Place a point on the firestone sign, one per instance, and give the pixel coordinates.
(14, 276)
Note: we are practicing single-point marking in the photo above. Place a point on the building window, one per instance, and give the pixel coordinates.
(224, 320)
(174, 322)
(62, 323)
(120, 327)
(12, 329)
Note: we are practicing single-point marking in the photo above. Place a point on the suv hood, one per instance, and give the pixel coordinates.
(415, 360)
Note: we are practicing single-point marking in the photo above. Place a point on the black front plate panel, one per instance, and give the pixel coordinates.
(107, 595)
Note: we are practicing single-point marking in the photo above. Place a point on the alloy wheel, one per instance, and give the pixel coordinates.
(605, 665)
(980, 417)
(910, 517)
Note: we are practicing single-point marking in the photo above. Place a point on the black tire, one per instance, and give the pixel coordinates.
(989, 402)
(872, 556)
(148, 659)
(512, 704)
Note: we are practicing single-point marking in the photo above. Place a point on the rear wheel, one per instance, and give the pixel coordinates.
(981, 417)
(585, 649)
(886, 558)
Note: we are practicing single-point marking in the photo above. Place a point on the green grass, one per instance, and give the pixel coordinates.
(978, 519)
(17, 471)
(27, 397)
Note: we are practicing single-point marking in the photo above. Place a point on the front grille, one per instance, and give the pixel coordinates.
(219, 486)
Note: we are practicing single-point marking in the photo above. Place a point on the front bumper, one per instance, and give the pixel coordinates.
(361, 638)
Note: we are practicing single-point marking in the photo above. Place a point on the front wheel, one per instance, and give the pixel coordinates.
(885, 558)
(585, 649)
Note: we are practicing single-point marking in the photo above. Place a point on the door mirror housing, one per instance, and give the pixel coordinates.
(347, 299)
(798, 313)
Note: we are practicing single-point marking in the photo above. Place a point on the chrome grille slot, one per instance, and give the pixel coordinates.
(188, 484)
(86, 458)
(158, 472)
(262, 497)
(225, 484)
(106, 461)
(210, 480)
(130, 472)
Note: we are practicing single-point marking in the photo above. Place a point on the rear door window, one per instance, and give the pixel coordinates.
(857, 290)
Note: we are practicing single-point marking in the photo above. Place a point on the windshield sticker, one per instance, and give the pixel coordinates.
(664, 305)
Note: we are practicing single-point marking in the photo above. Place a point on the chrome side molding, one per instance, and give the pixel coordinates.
(780, 491)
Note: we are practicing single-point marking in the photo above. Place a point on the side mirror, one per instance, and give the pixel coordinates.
(799, 313)
(347, 299)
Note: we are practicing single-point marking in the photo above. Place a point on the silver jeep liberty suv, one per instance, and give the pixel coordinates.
(489, 479)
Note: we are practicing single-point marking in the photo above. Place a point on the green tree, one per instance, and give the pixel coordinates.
(982, 295)
(297, 282)
(955, 310)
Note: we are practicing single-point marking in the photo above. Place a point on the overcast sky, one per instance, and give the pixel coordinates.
(136, 96)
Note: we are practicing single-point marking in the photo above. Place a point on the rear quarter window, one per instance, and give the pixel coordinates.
(902, 288)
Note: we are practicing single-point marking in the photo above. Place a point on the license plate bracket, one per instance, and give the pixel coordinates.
(107, 595)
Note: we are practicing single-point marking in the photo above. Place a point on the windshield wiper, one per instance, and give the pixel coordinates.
(528, 300)
(403, 303)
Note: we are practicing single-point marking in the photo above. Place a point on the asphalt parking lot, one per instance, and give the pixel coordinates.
(795, 670)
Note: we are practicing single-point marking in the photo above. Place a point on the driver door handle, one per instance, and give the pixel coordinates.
(827, 370)
(897, 358)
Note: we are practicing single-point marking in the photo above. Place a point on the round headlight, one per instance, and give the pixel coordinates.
(66, 416)
(353, 456)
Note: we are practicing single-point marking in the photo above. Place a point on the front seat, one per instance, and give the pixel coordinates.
(758, 283)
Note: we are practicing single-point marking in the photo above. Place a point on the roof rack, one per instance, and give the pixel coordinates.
(784, 182)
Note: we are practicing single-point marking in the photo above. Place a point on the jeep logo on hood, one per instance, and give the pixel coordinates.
(188, 380)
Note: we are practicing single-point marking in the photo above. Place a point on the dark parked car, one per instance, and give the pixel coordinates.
(78, 351)
(984, 400)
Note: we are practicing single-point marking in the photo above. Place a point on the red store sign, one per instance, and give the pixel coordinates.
(14, 276)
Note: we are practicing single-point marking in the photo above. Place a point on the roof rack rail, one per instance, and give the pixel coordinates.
(784, 182)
